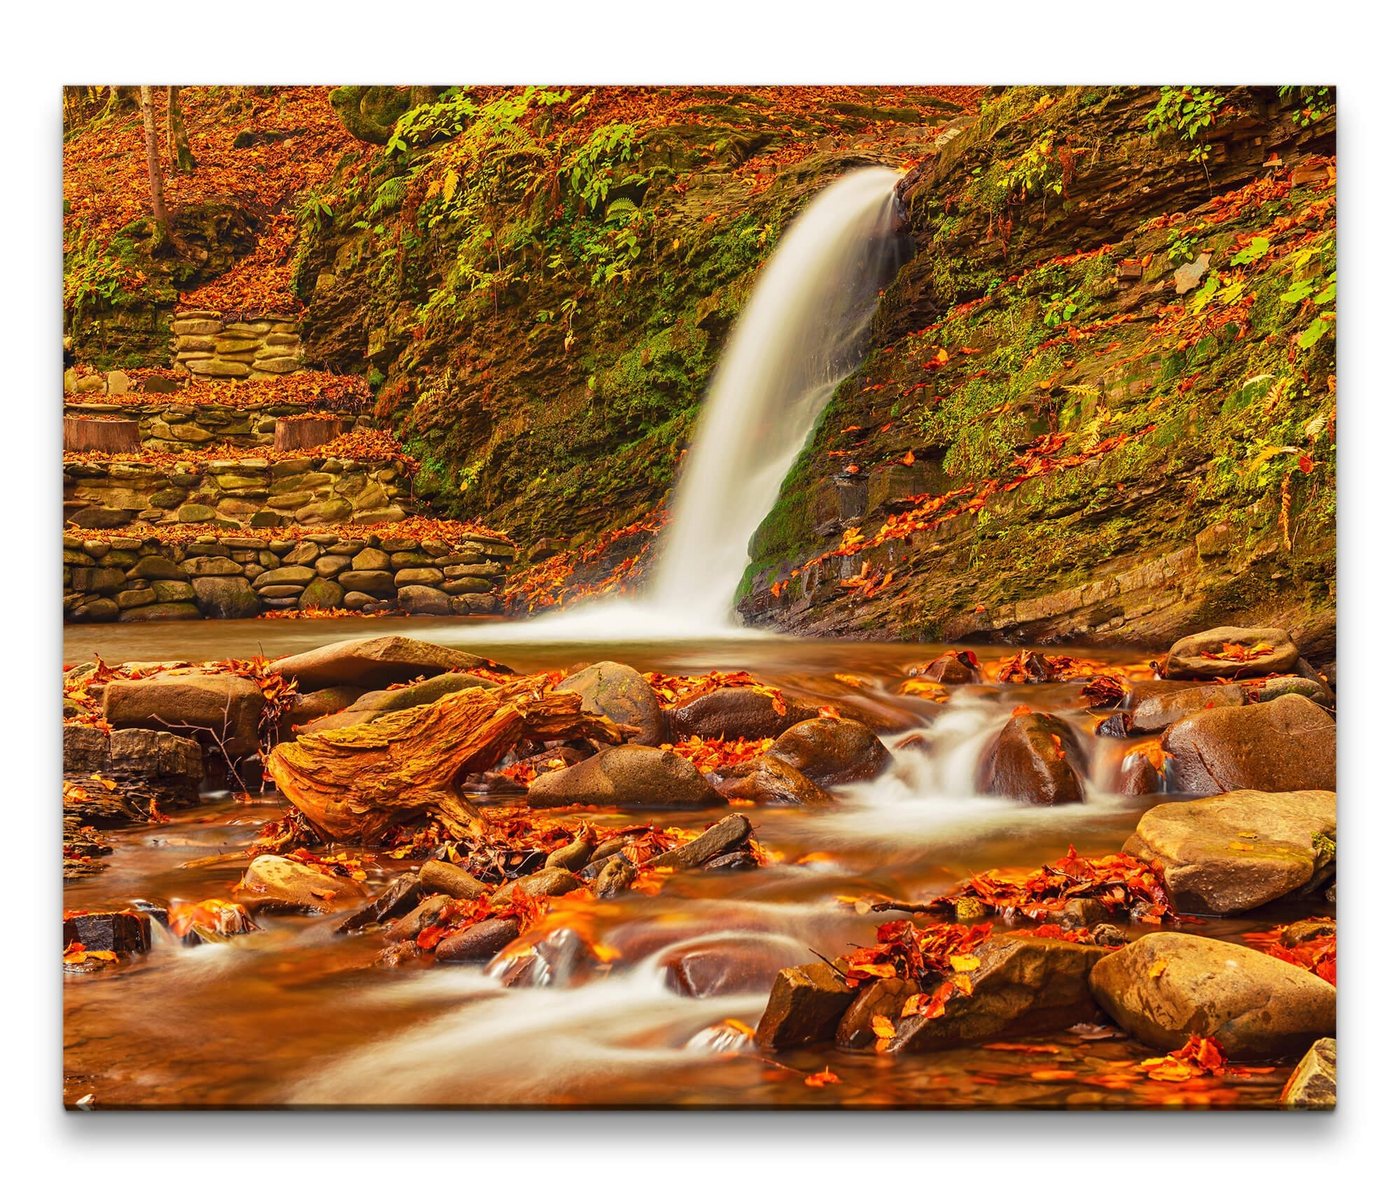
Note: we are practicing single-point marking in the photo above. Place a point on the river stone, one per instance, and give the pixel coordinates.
(438, 877)
(478, 943)
(226, 598)
(1138, 777)
(727, 834)
(379, 583)
(419, 576)
(424, 601)
(728, 966)
(223, 705)
(805, 1005)
(882, 997)
(734, 713)
(374, 663)
(832, 751)
(318, 704)
(468, 586)
(1237, 851)
(1185, 659)
(297, 576)
(1030, 762)
(623, 695)
(547, 882)
(628, 775)
(1289, 743)
(399, 896)
(417, 918)
(1155, 705)
(765, 780)
(208, 568)
(1166, 987)
(98, 611)
(381, 702)
(161, 611)
(370, 558)
(123, 931)
(1022, 985)
(1313, 1083)
(154, 566)
(321, 593)
(331, 565)
(152, 755)
(275, 883)
(135, 597)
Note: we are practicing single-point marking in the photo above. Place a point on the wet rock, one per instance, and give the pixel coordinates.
(628, 775)
(1289, 743)
(319, 704)
(1313, 1083)
(735, 713)
(478, 943)
(832, 751)
(122, 931)
(213, 921)
(274, 883)
(1022, 985)
(225, 598)
(1236, 851)
(1138, 777)
(547, 882)
(957, 667)
(728, 967)
(418, 918)
(573, 856)
(616, 877)
(883, 997)
(1187, 658)
(382, 702)
(769, 781)
(623, 695)
(1155, 705)
(438, 877)
(805, 1005)
(224, 706)
(1165, 987)
(1030, 762)
(562, 958)
(399, 896)
(726, 835)
(374, 663)
(84, 748)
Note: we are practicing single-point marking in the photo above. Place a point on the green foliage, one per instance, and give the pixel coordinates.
(1314, 103)
(1186, 112)
(92, 279)
(1061, 308)
(1182, 247)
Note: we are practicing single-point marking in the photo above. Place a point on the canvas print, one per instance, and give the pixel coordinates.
(771, 596)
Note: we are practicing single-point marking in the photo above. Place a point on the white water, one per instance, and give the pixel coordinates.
(801, 334)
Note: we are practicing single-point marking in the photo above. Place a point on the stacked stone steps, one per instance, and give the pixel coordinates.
(434, 568)
(208, 343)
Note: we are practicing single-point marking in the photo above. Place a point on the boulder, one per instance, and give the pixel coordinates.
(321, 593)
(832, 751)
(1021, 985)
(161, 611)
(1138, 777)
(275, 883)
(957, 667)
(1155, 705)
(224, 597)
(1313, 1083)
(882, 997)
(438, 877)
(805, 1005)
(283, 576)
(424, 601)
(1288, 743)
(153, 756)
(728, 833)
(223, 705)
(628, 775)
(1030, 761)
(766, 780)
(735, 713)
(419, 917)
(320, 703)
(374, 663)
(623, 695)
(547, 882)
(1165, 987)
(1237, 851)
(728, 966)
(478, 943)
(417, 694)
(1209, 654)
(379, 583)
(122, 932)
(400, 896)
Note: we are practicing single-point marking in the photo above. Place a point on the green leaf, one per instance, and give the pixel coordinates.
(1299, 291)
(1315, 330)
(1251, 252)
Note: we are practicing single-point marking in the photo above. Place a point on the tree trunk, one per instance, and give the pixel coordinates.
(355, 783)
(177, 144)
(148, 123)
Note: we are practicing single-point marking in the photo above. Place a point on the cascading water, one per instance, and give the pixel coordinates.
(802, 333)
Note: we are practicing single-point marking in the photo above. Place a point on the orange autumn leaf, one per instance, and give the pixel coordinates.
(821, 1079)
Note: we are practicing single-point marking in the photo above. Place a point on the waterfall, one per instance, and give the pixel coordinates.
(802, 333)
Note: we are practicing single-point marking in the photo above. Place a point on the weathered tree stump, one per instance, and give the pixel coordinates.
(299, 433)
(116, 436)
(355, 783)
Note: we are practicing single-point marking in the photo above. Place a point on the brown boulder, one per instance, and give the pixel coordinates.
(1030, 762)
(374, 663)
(727, 834)
(222, 705)
(728, 967)
(1313, 1083)
(735, 713)
(957, 667)
(1155, 705)
(1276, 653)
(478, 943)
(1022, 985)
(832, 751)
(1236, 851)
(122, 932)
(805, 1005)
(417, 694)
(1289, 743)
(882, 997)
(320, 703)
(628, 775)
(438, 877)
(1166, 987)
(769, 781)
(274, 883)
(623, 695)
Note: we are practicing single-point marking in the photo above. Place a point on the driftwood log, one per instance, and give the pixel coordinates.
(355, 783)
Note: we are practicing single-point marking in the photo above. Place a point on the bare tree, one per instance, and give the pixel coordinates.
(177, 144)
(153, 170)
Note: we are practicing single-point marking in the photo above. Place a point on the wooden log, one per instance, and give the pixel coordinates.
(357, 782)
(112, 436)
(300, 433)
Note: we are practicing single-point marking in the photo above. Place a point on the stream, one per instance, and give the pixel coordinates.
(297, 1015)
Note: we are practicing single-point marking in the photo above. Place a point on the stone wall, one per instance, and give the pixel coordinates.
(230, 493)
(164, 426)
(231, 576)
(205, 344)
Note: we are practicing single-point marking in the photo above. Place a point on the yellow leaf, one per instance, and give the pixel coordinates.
(964, 962)
(1157, 968)
(881, 1026)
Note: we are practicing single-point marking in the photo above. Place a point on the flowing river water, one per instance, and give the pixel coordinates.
(295, 1014)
